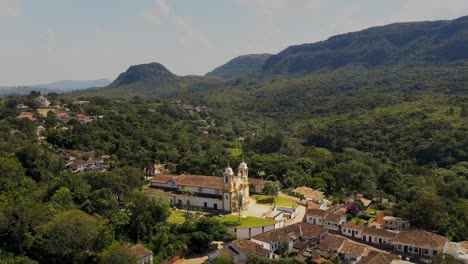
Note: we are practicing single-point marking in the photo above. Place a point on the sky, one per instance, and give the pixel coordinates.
(42, 41)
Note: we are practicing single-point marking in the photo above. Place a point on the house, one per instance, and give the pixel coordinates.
(291, 235)
(375, 257)
(395, 223)
(27, 115)
(63, 117)
(315, 216)
(274, 214)
(143, 255)
(352, 230)
(228, 193)
(240, 249)
(352, 252)
(377, 236)
(310, 194)
(419, 243)
(43, 101)
(333, 221)
(258, 184)
(78, 165)
(360, 197)
(331, 245)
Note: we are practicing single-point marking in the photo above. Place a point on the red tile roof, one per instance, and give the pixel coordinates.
(291, 232)
(422, 239)
(316, 212)
(140, 251)
(312, 205)
(191, 180)
(375, 232)
(350, 225)
(310, 193)
(375, 257)
(333, 218)
(331, 243)
(248, 247)
(353, 249)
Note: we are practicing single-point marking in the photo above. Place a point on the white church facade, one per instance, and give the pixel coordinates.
(226, 193)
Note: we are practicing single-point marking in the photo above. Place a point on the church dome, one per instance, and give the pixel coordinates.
(243, 165)
(228, 171)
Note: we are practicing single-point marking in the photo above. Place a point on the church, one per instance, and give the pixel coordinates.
(226, 193)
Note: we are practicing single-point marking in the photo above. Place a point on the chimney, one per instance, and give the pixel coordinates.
(300, 229)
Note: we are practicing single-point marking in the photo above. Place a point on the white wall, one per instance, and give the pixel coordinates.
(226, 201)
(318, 220)
(253, 231)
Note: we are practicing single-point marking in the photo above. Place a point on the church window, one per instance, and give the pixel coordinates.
(227, 196)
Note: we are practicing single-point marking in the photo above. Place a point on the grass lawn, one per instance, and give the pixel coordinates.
(235, 152)
(249, 221)
(358, 221)
(372, 212)
(176, 217)
(280, 201)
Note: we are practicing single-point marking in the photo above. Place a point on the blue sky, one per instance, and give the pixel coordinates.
(48, 40)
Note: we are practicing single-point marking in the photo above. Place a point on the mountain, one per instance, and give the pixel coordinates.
(417, 43)
(74, 85)
(246, 65)
(152, 80)
(57, 87)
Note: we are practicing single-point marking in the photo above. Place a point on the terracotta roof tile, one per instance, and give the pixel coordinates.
(331, 243)
(312, 205)
(350, 225)
(375, 257)
(369, 231)
(351, 248)
(309, 193)
(316, 212)
(291, 232)
(191, 180)
(248, 247)
(140, 251)
(333, 218)
(422, 239)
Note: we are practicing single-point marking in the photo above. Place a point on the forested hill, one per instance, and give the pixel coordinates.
(246, 65)
(418, 43)
(152, 80)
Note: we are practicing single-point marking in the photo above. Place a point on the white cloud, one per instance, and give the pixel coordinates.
(186, 32)
(10, 9)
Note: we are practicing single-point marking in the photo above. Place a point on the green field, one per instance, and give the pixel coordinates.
(249, 221)
(280, 201)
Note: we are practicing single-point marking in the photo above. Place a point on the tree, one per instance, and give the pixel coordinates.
(270, 189)
(62, 199)
(223, 260)
(283, 248)
(72, 236)
(117, 254)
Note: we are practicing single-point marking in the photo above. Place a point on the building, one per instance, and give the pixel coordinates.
(310, 194)
(333, 221)
(377, 236)
(143, 255)
(352, 252)
(331, 245)
(352, 230)
(325, 218)
(240, 249)
(292, 234)
(258, 184)
(395, 223)
(226, 193)
(418, 243)
(43, 101)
